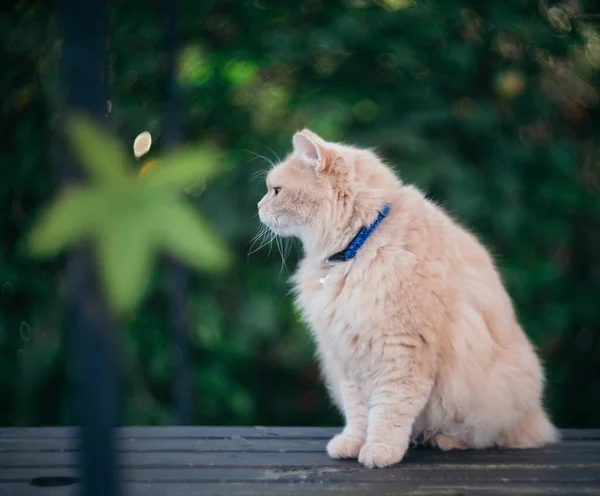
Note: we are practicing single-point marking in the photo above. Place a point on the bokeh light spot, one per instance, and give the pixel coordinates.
(366, 110)
(241, 72)
(510, 84)
(559, 19)
(396, 4)
(142, 144)
(7, 292)
(25, 331)
(195, 67)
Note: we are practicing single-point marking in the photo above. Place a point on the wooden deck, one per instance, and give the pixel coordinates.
(208, 461)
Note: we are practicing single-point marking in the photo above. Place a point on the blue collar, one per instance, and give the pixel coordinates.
(350, 251)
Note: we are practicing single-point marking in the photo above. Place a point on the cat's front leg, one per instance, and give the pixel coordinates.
(348, 443)
(393, 407)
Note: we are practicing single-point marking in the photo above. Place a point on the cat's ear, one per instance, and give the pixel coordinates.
(311, 149)
(308, 149)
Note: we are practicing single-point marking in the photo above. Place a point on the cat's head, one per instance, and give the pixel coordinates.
(322, 188)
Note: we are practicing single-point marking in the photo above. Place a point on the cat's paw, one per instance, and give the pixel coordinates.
(344, 446)
(377, 455)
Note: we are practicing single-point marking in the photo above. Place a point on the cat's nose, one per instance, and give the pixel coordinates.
(258, 205)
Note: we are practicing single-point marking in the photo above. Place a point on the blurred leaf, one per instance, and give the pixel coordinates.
(71, 217)
(131, 219)
(102, 155)
(181, 170)
(125, 251)
(188, 237)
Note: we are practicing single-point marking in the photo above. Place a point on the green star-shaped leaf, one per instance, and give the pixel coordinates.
(130, 219)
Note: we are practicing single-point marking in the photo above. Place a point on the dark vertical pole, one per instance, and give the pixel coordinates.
(94, 347)
(177, 272)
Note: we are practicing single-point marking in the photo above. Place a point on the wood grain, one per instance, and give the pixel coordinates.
(199, 461)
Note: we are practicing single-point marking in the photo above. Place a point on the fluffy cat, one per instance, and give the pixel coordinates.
(416, 336)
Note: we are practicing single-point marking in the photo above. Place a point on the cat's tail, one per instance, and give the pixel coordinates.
(533, 431)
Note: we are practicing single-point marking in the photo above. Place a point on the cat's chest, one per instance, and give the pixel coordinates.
(329, 299)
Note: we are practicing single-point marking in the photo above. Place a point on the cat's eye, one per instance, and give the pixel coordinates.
(276, 191)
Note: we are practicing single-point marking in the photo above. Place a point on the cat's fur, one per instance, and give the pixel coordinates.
(416, 336)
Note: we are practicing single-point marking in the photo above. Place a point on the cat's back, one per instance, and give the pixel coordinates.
(428, 230)
(450, 272)
(435, 237)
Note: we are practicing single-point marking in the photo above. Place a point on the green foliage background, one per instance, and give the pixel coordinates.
(491, 107)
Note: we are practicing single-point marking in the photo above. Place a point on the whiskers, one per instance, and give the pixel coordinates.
(261, 174)
(282, 252)
(266, 237)
(269, 149)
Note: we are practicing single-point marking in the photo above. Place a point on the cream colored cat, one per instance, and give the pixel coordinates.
(416, 335)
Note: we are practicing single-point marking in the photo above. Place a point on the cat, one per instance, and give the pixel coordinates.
(416, 335)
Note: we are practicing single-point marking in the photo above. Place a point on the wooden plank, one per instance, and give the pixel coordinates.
(186, 432)
(223, 445)
(580, 434)
(183, 432)
(250, 461)
(474, 459)
(221, 461)
(278, 489)
(352, 473)
(178, 445)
